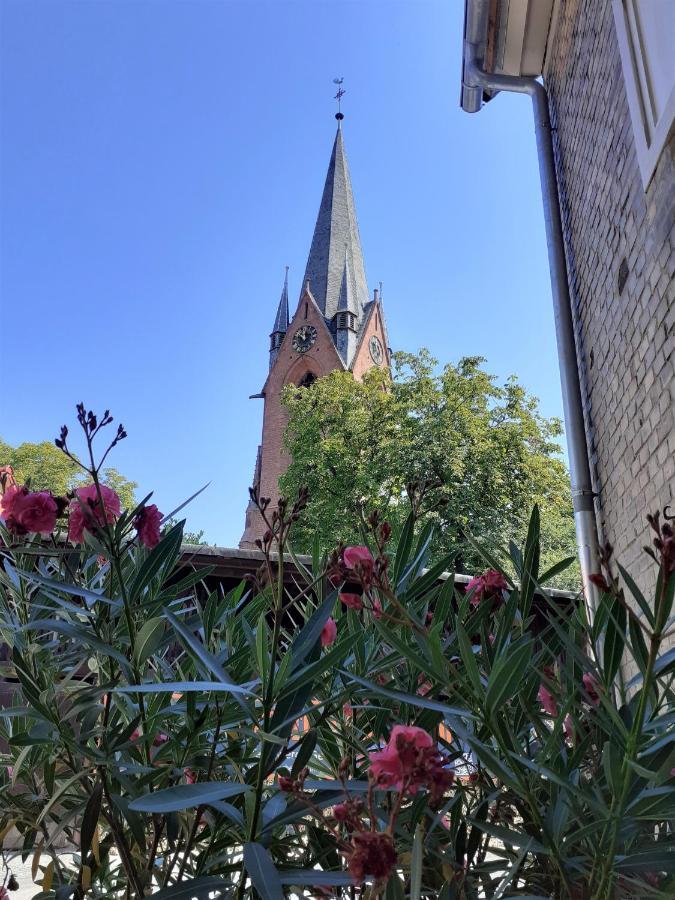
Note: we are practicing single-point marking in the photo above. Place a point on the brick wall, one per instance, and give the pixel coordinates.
(621, 262)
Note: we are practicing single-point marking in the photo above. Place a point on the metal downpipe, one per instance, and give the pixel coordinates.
(580, 473)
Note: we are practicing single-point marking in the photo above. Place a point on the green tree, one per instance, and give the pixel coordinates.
(466, 453)
(48, 469)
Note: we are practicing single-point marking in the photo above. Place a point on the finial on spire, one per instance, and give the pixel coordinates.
(340, 94)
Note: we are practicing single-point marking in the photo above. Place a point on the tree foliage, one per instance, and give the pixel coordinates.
(46, 468)
(465, 453)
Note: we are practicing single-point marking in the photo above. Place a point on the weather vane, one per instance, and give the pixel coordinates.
(340, 94)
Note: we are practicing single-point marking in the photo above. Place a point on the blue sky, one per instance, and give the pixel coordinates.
(161, 162)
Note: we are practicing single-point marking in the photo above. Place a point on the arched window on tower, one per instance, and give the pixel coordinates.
(307, 380)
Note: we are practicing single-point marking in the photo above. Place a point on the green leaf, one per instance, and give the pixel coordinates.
(494, 764)
(417, 863)
(637, 595)
(164, 555)
(75, 589)
(90, 820)
(469, 659)
(652, 858)
(510, 836)
(394, 889)
(262, 872)
(665, 663)
(185, 687)
(199, 888)
(404, 547)
(79, 634)
(148, 639)
(530, 570)
(310, 633)
(315, 876)
(638, 644)
(261, 644)
(411, 699)
(185, 796)
(612, 759)
(185, 503)
(615, 638)
(208, 661)
(653, 803)
(305, 751)
(507, 674)
(556, 570)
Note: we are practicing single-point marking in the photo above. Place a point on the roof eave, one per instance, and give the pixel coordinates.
(504, 37)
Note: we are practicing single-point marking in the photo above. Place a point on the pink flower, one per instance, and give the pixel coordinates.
(352, 601)
(411, 760)
(354, 556)
(86, 512)
(488, 585)
(7, 500)
(600, 581)
(372, 853)
(287, 784)
(348, 813)
(547, 700)
(672, 773)
(147, 524)
(347, 709)
(340, 812)
(429, 617)
(360, 561)
(377, 608)
(35, 512)
(160, 739)
(4, 894)
(591, 685)
(190, 775)
(328, 632)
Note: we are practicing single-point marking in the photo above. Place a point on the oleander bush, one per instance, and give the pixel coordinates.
(377, 731)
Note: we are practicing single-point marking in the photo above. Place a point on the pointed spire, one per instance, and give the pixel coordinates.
(281, 320)
(336, 235)
(346, 300)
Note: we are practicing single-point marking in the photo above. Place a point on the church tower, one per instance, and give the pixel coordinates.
(336, 325)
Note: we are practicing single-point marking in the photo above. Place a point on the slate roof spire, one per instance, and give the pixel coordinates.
(281, 320)
(336, 239)
(280, 323)
(346, 299)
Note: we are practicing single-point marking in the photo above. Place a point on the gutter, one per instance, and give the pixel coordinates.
(475, 82)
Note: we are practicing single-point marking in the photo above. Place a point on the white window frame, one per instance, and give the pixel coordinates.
(650, 134)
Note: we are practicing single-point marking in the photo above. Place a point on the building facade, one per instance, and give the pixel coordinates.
(609, 71)
(335, 325)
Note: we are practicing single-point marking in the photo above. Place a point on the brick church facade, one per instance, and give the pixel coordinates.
(336, 324)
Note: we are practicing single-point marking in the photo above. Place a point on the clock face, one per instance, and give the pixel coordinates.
(376, 351)
(304, 338)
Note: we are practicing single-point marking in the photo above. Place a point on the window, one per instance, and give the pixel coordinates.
(307, 380)
(645, 31)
